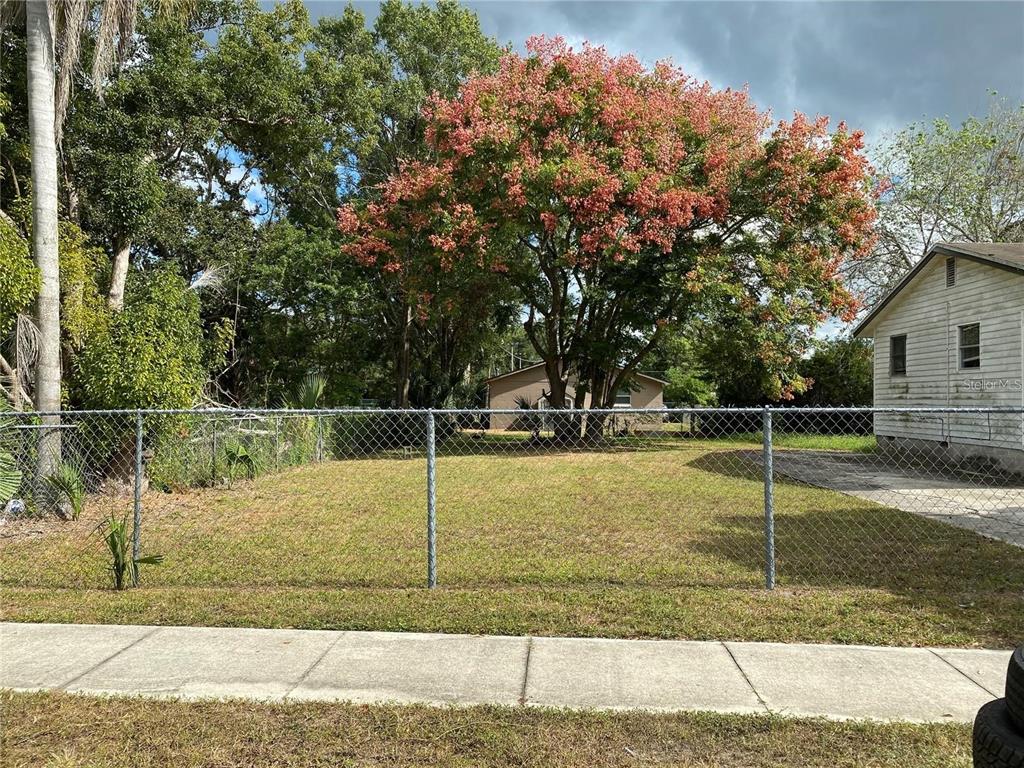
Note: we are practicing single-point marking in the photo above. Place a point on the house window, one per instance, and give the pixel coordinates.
(970, 346)
(624, 398)
(898, 355)
(950, 272)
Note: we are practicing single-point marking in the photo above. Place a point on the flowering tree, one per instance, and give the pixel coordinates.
(617, 201)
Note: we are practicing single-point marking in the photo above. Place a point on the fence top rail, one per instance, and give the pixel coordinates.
(356, 411)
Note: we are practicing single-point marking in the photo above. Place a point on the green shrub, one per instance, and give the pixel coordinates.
(241, 460)
(19, 278)
(152, 353)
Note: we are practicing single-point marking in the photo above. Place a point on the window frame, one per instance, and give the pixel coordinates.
(627, 391)
(892, 355)
(961, 348)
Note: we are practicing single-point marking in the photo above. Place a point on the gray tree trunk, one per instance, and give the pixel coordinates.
(402, 359)
(40, 54)
(119, 273)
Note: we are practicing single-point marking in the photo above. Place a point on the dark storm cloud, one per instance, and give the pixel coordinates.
(878, 66)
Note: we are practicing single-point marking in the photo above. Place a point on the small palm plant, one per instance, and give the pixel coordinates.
(241, 460)
(308, 394)
(67, 487)
(124, 569)
(307, 431)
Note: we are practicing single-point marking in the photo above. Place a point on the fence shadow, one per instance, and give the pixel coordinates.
(875, 548)
(826, 539)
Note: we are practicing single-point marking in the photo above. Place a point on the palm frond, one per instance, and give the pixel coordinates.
(10, 478)
(239, 457)
(124, 569)
(68, 18)
(68, 486)
(113, 34)
(309, 392)
(210, 278)
(12, 13)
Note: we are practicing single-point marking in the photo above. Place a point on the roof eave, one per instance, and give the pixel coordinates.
(538, 365)
(945, 249)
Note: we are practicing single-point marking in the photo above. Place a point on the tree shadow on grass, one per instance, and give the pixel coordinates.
(826, 539)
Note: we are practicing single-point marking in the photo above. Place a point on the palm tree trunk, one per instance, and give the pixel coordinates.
(40, 55)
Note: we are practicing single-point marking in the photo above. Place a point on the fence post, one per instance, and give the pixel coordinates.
(213, 453)
(769, 500)
(431, 504)
(137, 508)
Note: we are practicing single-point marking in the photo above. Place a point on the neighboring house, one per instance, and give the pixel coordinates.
(951, 333)
(530, 384)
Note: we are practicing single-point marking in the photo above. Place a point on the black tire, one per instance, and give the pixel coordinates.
(997, 743)
(1015, 688)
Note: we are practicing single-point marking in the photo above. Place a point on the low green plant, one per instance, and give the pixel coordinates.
(10, 475)
(67, 487)
(241, 459)
(10, 478)
(124, 569)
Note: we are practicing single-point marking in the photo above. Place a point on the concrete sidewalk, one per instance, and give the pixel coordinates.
(841, 682)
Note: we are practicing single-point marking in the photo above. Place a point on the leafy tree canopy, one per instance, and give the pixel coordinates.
(946, 183)
(842, 372)
(617, 200)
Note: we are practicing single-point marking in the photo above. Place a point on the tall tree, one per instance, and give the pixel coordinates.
(841, 371)
(421, 51)
(54, 29)
(42, 123)
(618, 201)
(946, 183)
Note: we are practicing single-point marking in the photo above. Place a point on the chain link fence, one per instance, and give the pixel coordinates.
(748, 498)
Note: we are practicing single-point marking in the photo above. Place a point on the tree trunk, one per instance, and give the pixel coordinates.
(402, 355)
(598, 386)
(40, 55)
(119, 272)
(566, 426)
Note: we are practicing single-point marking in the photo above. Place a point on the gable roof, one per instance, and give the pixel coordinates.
(541, 365)
(1008, 256)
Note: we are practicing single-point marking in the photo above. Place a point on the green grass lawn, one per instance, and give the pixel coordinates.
(61, 731)
(661, 542)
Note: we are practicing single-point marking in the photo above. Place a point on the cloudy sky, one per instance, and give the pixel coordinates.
(878, 65)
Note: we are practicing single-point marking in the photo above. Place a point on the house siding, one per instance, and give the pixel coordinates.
(930, 313)
(531, 384)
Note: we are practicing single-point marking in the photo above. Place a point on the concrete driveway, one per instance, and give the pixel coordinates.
(983, 503)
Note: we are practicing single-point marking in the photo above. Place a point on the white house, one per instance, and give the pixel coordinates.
(951, 333)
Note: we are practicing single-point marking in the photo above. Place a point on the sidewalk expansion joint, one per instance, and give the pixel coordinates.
(309, 670)
(111, 657)
(938, 655)
(732, 656)
(526, 671)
